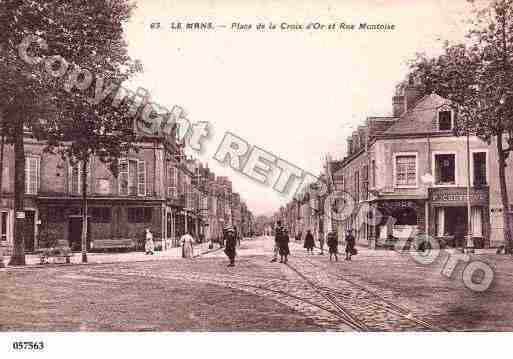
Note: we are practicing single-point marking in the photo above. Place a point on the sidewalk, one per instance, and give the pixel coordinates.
(32, 260)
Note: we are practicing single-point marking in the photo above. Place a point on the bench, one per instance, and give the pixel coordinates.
(112, 244)
(61, 251)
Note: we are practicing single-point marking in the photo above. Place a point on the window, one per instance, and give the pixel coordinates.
(445, 169)
(4, 216)
(365, 182)
(172, 184)
(357, 186)
(405, 170)
(75, 178)
(139, 214)
(373, 173)
(479, 168)
(132, 177)
(100, 214)
(444, 121)
(31, 175)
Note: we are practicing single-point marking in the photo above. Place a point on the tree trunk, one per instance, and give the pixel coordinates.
(504, 196)
(84, 209)
(18, 256)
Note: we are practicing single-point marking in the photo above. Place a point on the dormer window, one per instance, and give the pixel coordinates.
(444, 121)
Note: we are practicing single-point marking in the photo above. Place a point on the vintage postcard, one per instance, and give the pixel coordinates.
(254, 166)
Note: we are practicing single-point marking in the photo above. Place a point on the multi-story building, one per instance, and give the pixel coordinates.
(155, 188)
(408, 174)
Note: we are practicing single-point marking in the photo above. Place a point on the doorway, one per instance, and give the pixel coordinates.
(75, 233)
(29, 231)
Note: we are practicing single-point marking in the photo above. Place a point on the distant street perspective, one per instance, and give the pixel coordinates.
(375, 291)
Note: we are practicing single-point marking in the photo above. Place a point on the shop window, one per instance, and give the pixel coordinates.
(139, 214)
(406, 170)
(444, 121)
(4, 217)
(479, 164)
(101, 214)
(56, 214)
(445, 169)
(405, 217)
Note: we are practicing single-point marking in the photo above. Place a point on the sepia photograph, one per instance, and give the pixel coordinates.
(279, 175)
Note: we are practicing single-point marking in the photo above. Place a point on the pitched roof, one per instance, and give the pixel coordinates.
(421, 118)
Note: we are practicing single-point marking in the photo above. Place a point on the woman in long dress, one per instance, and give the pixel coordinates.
(187, 249)
(149, 246)
(309, 242)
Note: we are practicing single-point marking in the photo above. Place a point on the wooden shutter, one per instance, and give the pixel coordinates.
(141, 178)
(123, 177)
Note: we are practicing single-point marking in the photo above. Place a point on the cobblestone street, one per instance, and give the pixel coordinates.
(376, 291)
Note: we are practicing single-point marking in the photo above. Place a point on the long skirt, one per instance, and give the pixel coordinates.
(187, 251)
(149, 247)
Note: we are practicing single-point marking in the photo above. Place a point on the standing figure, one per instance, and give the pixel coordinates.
(309, 242)
(187, 245)
(333, 244)
(298, 236)
(149, 246)
(284, 246)
(278, 232)
(321, 242)
(231, 244)
(350, 243)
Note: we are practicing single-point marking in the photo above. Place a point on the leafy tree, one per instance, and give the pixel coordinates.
(88, 34)
(477, 77)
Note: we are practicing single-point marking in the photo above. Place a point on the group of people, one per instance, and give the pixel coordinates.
(186, 242)
(332, 242)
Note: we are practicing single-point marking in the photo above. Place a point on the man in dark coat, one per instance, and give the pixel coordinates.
(230, 244)
(284, 246)
(333, 244)
(350, 243)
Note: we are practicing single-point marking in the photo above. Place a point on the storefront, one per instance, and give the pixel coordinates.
(449, 210)
(400, 218)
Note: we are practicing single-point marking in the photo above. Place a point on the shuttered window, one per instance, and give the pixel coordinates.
(31, 175)
(132, 177)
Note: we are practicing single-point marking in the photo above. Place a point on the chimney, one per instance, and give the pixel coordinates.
(398, 105)
(349, 146)
(412, 95)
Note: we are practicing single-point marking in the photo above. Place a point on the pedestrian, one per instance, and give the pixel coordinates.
(350, 243)
(332, 243)
(284, 246)
(149, 246)
(278, 231)
(321, 242)
(298, 236)
(231, 244)
(187, 245)
(309, 242)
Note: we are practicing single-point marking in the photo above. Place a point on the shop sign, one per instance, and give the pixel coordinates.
(480, 197)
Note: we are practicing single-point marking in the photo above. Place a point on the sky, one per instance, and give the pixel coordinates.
(296, 94)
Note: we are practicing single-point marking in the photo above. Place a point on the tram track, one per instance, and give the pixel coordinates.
(379, 302)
